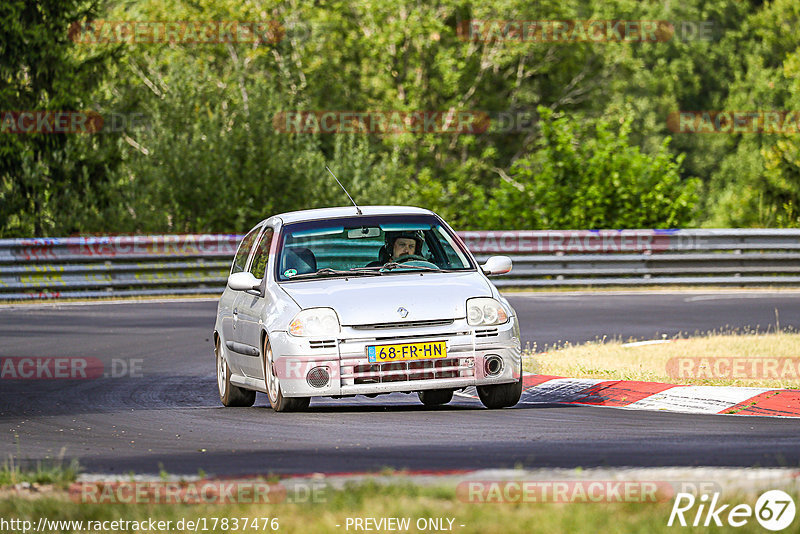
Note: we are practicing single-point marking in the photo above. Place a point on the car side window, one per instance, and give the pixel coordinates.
(240, 260)
(261, 257)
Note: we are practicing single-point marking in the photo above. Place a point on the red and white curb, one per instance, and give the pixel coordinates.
(636, 395)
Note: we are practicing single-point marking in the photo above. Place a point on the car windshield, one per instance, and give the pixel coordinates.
(369, 246)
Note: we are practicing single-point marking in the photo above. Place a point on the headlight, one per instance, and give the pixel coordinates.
(315, 322)
(485, 311)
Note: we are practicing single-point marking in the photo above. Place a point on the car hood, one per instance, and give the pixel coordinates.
(372, 300)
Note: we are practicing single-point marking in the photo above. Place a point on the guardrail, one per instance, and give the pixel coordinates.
(750, 257)
(76, 267)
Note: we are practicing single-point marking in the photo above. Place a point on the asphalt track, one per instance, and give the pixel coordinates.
(168, 414)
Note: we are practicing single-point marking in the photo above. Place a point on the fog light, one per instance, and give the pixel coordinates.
(318, 377)
(493, 365)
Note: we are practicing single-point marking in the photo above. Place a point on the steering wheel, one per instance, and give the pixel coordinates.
(410, 257)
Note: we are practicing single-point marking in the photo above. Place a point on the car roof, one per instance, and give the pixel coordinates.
(349, 211)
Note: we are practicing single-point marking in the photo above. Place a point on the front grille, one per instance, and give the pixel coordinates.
(486, 332)
(393, 337)
(381, 373)
(403, 324)
(323, 344)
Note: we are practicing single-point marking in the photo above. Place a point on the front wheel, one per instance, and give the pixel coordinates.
(278, 402)
(500, 395)
(229, 394)
(435, 397)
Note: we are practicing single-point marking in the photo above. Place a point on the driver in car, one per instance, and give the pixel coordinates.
(405, 244)
(398, 244)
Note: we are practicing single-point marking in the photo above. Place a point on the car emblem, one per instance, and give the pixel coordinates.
(403, 312)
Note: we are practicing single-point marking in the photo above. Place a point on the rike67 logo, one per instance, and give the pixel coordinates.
(774, 510)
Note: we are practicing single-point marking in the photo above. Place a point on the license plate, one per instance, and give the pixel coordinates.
(406, 351)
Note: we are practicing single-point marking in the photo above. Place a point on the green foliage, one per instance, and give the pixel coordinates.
(585, 174)
(757, 182)
(50, 183)
(208, 157)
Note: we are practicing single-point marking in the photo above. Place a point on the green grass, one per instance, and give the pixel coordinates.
(56, 472)
(371, 499)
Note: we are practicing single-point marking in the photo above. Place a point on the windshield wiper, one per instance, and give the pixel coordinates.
(392, 265)
(327, 271)
(374, 269)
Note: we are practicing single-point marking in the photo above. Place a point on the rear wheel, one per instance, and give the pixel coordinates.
(501, 395)
(435, 397)
(278, 402)
(229, 394)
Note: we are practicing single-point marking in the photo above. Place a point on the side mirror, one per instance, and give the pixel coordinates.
(243, 281)
(497, 265)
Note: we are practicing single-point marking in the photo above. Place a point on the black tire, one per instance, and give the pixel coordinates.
(275, 396)
(229, 394)
(500, 395)
(435, 397)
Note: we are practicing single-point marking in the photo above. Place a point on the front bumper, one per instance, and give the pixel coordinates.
(349, 371)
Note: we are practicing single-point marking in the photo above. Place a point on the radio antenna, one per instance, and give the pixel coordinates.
(358, 210)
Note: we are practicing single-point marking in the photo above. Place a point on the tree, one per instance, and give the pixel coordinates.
(587, 175)
(758, 179)
(50, 182)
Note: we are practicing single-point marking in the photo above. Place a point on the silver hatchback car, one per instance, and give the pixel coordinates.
(339, 302)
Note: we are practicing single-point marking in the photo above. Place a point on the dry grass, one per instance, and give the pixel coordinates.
(759, 360)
